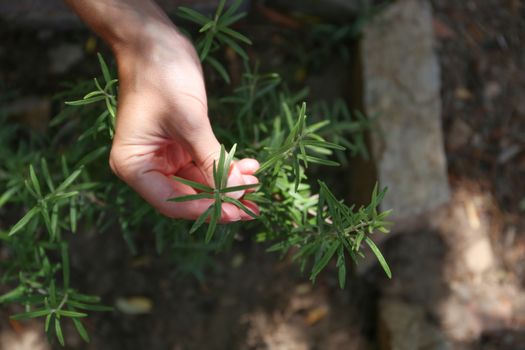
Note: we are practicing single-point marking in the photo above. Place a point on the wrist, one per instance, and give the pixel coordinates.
(141, 39)
(127, 26)
(154, 44)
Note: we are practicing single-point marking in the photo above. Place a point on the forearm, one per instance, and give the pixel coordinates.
(125, 25)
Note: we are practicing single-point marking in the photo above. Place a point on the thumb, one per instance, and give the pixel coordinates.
(204, 149)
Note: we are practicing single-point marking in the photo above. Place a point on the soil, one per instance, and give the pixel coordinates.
(483, 63)
(253, 300)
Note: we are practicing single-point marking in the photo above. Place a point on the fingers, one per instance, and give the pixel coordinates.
(156, 189)
(193, 173)
(205, 150)
(235, 178)
(254, 208)
(248, 166)
(230, 213)
(250, 180)
(240, 174)
(150, 181)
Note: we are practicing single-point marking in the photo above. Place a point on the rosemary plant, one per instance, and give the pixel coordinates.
(56, 196)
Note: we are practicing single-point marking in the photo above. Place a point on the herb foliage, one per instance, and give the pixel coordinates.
(55, 196)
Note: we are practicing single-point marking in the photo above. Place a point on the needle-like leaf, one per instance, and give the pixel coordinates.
(200, 220)
(236, 35)
(85, 102)
(219, 68)
(104, 67)
(241, 206)
(34, 180)
(238, 188)
(58, 332)
(192, 15)
(213, 222)
(67, 313)
(227, 164)
(83, 306)
(379, 256)
(219, 169)
(47, 175)
(81, 329)
(325, 258)
(30, 314)
(70, 179)
(196, 185)
(24, 220)
(64, 250)
(191, 197)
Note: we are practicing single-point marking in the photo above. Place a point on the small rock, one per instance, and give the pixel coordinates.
(33, 111)
(403, 326)
(519, 102)
(508, 153)
(479, 257)
(45, 34)
(459, 135)
(492, 90)
(460, 322)
(64, 57)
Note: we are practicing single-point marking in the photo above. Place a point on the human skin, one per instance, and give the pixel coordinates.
(162, 126)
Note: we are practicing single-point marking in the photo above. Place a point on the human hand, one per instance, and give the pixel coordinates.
(163, 127)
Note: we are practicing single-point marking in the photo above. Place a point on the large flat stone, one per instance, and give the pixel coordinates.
(404, 326)
(402, 86)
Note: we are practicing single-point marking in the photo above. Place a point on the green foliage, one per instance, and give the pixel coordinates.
(334, 39)
(219, 194)
(57, 186)
(216, 32)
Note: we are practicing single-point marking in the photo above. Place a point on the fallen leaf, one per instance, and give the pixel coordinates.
(463, 93)
(141, 261)
(91, 45)
(277, 17)
(441, 30)
(134, 305)
(303, 288)
(17, 326)
(237, 261)
(316, 315)
(472, 215)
